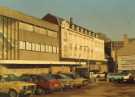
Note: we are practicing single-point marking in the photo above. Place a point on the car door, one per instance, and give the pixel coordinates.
(4, 87)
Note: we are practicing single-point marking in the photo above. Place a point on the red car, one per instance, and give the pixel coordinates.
(45, 83)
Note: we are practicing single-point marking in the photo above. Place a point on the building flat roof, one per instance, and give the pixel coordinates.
(4, 11)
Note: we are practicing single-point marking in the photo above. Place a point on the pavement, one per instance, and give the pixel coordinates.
(100, 89)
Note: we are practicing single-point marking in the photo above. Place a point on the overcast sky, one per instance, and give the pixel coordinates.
(112, 17)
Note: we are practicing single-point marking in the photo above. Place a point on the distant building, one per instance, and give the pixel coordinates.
(121, 49)
(126, 54)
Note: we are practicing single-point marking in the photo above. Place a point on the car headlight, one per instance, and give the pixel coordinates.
(126, 77)
(25, 88)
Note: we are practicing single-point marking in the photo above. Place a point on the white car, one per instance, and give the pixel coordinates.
(127, 77)
(99, 75)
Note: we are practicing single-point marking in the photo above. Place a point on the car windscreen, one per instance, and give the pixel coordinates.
(64, 76)
(72, 75)
(47, 77)
(10, 78)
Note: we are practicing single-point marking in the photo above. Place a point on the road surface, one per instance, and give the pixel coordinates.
(101, 89)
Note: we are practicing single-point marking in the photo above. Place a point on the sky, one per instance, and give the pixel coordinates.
(112, 17)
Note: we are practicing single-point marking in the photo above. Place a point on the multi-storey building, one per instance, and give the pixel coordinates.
(28, 42)
(27, 38)
(78, 44)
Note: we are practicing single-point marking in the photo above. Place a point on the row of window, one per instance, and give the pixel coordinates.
(83, 30)
(67, 36)
(31, 28)
(38, 47)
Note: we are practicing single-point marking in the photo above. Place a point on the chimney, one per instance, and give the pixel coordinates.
(125, 39)
(71, 20)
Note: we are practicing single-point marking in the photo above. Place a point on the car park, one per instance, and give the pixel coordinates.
(45, 83)
(10, 84)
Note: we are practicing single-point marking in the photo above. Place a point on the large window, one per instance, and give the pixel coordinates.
(47, 48)
(54, 49)
(22, 45)
(50, 49)
(40, 30)
(33, 46)
(25, 26)
(57, 50)
(37, 47)
(52, 33)
(28, 46)
(42, 48)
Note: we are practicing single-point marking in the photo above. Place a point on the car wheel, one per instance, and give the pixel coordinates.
(39, 91)
(13, 93)
(110, 80)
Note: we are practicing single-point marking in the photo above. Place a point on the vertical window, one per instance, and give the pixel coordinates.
(22, 45)
(57, 50)
(54, 49)
(33, 47)
(37, 47)
(28, 46)
(42, 48)
(50, 49)
(47, 48)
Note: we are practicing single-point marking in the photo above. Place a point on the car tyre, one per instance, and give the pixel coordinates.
(13, 93)
(85, 83)
(39, 91)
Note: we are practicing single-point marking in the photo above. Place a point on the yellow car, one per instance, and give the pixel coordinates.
(10, 84)
(77, 80)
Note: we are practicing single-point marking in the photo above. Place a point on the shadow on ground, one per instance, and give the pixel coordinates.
(3, 95)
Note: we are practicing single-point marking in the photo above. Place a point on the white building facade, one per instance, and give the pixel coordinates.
(81, 44)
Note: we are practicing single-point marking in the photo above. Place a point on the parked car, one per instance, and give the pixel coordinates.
(77, 80)
(129, 74)
(120, 77)
(127, 77)
(45, 83)
(65, 80)
(99, 75)
(114, 77)
(10, 84)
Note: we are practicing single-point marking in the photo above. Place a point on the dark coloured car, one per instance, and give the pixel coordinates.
(66, 81)
(45, 83)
